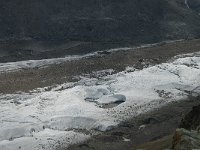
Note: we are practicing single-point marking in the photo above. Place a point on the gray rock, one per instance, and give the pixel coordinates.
(192, 120)
(186, 140)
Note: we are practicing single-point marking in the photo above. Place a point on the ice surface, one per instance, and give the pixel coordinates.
(46, 119)
(47, 139)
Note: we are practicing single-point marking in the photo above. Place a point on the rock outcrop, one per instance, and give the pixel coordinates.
(186, 140)
(188, 135)
(192, 120)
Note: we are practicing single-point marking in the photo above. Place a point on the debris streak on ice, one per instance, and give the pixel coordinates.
(15, 66)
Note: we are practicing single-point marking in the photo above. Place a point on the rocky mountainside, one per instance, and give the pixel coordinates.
(99, 20)
(195, 5)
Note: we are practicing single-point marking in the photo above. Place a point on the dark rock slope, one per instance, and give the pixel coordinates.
(188, 136)
(192, 119)
(195, 5)
(99, 20)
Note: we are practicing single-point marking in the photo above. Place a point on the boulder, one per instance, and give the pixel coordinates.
(186, 140)
(192, 120)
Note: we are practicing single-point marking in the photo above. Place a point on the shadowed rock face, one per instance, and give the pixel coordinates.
(98, 20)
(195, 5)
(192, 120)
(188, 136)
(184, 140)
